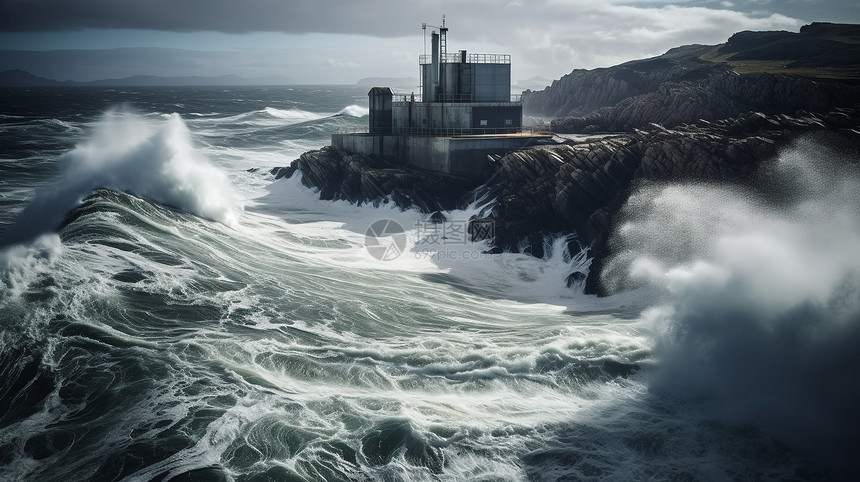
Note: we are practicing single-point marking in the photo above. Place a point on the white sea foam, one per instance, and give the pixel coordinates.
(354, 111)
(295, 115)
(69, 128)
(426, 249)
(275, 349)
(21, 264)
(157, 161)
(761, 315)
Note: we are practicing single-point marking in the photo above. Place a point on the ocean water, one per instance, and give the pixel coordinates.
(170, 311)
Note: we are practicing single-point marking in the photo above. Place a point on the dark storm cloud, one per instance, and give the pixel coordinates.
(547, 37)
(91, 65)
(376, 17)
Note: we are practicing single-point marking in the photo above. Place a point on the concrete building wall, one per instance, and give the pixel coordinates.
(467, 82)
(380, 99)
(422, 117)
(459, 156)
(457, 84)
(491, 82)
(401, 115)
(455, 118)
(494, 116)
(384, 146)
(429, 153)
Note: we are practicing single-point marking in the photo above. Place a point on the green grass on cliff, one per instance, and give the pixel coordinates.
(819, 50)
(778, 66)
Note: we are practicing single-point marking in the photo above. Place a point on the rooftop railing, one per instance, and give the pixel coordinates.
(462, 131)
(516, 98)
(456, 131)
(456, 58)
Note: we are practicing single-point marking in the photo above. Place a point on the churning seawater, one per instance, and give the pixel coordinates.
(169, 311)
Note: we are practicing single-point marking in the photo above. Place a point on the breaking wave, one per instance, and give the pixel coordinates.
(759, 318)
(354, 111)
(126, 152)
(296, 115)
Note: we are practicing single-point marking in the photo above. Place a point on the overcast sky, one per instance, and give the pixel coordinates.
(341, 41)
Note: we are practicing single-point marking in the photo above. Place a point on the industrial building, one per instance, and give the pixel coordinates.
(464, 113)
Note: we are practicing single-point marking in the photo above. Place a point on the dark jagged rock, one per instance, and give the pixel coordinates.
(687, 114)
(574, 187)
(361, 179)
(287, 172)
(721, 95)
(437, 218)
(583, 91)
(577, 187)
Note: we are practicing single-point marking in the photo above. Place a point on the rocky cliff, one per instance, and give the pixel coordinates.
(583, 91)
(360, 179)
(579, 186)
(815, 70)
(713, 113)
(575, 186)
(721, 95)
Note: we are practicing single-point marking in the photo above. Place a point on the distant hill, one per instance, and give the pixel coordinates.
(819, 50)
(402, 82)
(814, 70)
(534, 83)
(156, 81)
(21, 78)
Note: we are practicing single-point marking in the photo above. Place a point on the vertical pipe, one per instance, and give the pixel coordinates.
(434, 70)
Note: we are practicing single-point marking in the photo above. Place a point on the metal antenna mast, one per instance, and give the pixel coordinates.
(443, 33)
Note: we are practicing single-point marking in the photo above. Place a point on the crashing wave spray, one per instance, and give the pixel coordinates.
(760, 322)
(127, 153)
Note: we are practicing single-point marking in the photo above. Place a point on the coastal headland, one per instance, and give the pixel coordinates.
(711, 113)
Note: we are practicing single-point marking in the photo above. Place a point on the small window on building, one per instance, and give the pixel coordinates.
(483, 122)
(424, 122)
(509, 122)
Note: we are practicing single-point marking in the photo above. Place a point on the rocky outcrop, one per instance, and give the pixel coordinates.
(574, 187)
(361, 179)
(578, 187)
(820, 45)
(583, 91)
(687, 114)
(815, 70)
(721, 95)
